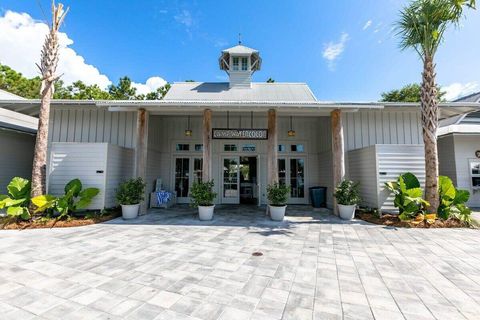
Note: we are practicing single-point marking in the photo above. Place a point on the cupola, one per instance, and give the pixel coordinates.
(240, 63)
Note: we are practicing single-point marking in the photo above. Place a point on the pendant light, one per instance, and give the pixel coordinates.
(188, 131)
(291, 132)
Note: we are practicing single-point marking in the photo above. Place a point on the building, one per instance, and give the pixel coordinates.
(240, 133)
(17, 142)
(459, 150)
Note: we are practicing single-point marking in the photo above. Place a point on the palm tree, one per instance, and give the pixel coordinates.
(422, 26)
(48, 66)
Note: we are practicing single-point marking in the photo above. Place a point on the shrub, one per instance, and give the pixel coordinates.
(452, 201)
(75, 198)
(408, 195)
(277, 194)
(347, 193)
(131, 192)
(18, 199)
(202, 194)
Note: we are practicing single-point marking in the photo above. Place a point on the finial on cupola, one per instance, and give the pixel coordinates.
(239, 38)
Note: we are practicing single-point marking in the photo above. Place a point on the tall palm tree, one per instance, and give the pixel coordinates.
(48, 67)
(422, 26)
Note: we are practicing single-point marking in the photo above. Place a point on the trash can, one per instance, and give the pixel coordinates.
(318, 197)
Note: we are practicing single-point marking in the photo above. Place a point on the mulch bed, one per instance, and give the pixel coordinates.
(53, 223)
(393, 221)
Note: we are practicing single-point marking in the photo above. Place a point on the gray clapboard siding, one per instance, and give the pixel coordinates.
(374, 165)
(99, 165)
(91, 124)
(16, 156)
(446, 158)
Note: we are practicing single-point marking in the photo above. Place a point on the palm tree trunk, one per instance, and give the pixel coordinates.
(39, 171)
(429, 106)
(48, 67)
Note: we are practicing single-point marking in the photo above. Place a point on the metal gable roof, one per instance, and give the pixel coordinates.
(240, 49)
(474, 97)
(220, 91)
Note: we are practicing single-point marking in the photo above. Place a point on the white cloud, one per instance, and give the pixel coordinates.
(24, 37)
(185, 18)
(152, 84)
(457, 90)
(367, 24)
(333, 50)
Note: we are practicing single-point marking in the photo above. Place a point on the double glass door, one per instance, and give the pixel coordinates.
(291, 171)
(187, 170)
(239, 179)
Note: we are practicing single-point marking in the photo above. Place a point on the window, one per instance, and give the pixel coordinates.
(182, 147)
(244, 64)
(297, 148)
(297, 178)
(199, 147)
(235, 63)
(475, 173)
(250, 147)
(282, 171)
(230, 147)
(282, 148)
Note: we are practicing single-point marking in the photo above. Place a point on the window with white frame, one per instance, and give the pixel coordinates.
(235, 63)
(244, 64)
(230, 147)
(475, 173)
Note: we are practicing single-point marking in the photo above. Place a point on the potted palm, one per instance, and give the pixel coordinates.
(348, 197)
(129, 195)
(277, 195)
(202, 197)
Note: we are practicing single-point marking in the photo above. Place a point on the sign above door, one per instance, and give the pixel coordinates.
(241, 134)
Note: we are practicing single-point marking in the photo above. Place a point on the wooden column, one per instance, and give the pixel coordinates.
(337, 152)
(141, 152)
(272, 148)
(207, 145)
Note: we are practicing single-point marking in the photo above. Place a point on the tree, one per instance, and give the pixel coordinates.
(80, 91)
(159, 93)
(409, 93)
(421, 26)
(48, 67)
(14, 82)
(270, 80)
(122, 91)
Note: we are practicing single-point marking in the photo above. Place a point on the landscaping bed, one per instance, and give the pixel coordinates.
(72, 221)
(392, 220)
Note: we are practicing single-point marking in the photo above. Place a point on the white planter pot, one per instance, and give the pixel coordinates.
(347, 212)
(205, 213)
(277, 213)
(130, 211)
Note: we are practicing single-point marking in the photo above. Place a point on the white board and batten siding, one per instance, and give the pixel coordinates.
(374, 165)
(99, 165)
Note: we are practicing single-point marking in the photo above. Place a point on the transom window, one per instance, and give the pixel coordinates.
(282, 148)
(182, 147)
(249, 147)
(230, 147)
(297, 148)
(199, 147)
(235, 63)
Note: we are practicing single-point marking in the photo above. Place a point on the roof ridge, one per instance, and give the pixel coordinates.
(468, 96)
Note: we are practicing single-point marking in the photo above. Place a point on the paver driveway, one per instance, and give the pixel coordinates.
(168, 265)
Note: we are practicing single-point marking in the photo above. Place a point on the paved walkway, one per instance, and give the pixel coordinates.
(168, 265)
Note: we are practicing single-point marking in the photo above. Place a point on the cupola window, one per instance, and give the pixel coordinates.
(235, 63)
(244, 64)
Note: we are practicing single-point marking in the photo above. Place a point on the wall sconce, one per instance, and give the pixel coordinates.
(188, 131)
(291, 132)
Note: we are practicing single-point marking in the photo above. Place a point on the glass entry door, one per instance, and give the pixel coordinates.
(187, 170)
(231, 178)
(291, 171)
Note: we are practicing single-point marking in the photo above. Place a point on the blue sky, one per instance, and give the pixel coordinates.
(179, 40)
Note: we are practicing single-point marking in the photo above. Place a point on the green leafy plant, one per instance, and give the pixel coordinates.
(277, 194)
(408, 195)
(131, 192)
(347, 193)
(75, 198)
(202, 194)
(17, 200)
(452, 201)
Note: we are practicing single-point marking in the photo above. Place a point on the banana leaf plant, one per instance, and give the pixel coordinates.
(408, 196)
(452, 200)
(75, 198)
(17, 200)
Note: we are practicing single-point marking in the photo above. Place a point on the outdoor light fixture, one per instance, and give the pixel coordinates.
(291, 132)
(188, 131)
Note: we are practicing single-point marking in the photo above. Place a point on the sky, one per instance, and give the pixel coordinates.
(345, 50)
